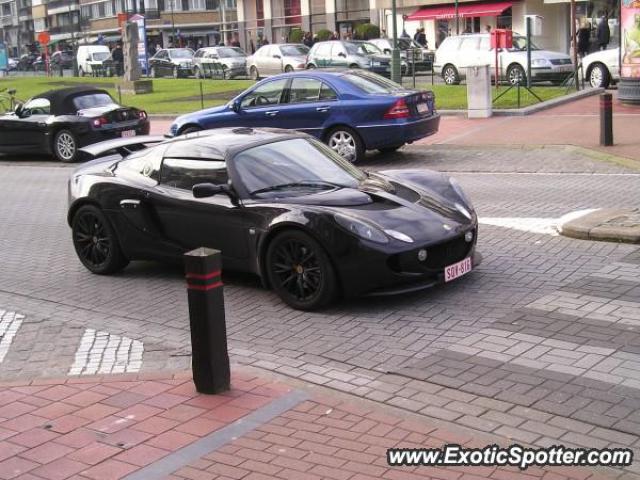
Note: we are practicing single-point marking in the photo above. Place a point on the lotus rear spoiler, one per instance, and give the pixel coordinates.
(123, 146)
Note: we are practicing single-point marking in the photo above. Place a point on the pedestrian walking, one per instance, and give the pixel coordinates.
(604, 34)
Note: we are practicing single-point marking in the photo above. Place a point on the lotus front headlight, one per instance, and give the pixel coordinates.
(362, 229)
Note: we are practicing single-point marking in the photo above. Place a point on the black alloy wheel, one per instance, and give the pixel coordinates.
(300, 271)
(95, 241)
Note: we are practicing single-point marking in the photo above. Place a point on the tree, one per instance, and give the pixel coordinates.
(324, 35)
(296, 35)
(367, 31)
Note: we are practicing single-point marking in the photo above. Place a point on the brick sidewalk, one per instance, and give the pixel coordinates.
(147, 427)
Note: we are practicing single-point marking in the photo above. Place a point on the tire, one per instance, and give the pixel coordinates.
(288, 69)
(311, 66)
(65, 146)
(599, 76)
(450, 75)
(390, 149)
(515, 74)
(190, 130)
(96, 242)
(354, 66)
(300, 271)
(346, 143)
(254, 74)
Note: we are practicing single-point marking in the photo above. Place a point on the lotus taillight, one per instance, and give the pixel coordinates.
(142, 115)
(98, 122)
(398, 110)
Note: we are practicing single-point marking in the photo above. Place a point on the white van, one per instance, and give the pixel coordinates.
(91, 55)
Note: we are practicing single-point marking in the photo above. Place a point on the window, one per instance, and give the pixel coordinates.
(145, 163)
(337, 49)
(371, 83)
(185, 173)
(38, 106)
(93, 100)
(323, 49)
(268, 93)
(108, 9)
(197, 5)
(294, 50)
(199, 54)
(304, 90)
(327, 93)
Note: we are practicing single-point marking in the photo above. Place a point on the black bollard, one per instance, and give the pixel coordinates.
(209, 357)
(606, 119)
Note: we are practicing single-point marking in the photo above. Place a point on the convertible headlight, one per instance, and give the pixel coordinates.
(540, 62)
(362, 229)
(463, 196)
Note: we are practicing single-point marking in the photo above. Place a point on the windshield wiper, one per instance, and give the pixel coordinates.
(285, 186)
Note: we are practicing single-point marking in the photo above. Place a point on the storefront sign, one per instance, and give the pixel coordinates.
(142, 40)
(630, 39)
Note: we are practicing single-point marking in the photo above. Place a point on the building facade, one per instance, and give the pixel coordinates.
(16, 25)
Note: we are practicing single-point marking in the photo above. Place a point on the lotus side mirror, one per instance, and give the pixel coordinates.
(205, 190)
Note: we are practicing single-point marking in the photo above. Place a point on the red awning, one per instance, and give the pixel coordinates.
(442, 12)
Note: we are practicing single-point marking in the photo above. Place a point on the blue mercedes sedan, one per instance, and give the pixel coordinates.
(350, 110)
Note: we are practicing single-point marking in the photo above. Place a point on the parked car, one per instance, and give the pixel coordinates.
(351, 110)
(602, 68)
(349, 54)
(177, 62)
(277, 58)
(94, 58)
(59, 122)
(61, 59)
(232, 60)
(29, 60)
(276, 203)
(411, 52)
(456, 53)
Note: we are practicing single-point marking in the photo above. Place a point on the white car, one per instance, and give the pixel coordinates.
(602, 68)
(456, 53)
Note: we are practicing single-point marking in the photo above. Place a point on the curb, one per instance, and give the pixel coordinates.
(608, 225)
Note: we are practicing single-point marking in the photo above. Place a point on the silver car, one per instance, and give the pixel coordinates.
(231, 61)
(277, 58)
(411, 53)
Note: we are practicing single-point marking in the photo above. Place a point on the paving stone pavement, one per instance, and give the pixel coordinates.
(404, 351)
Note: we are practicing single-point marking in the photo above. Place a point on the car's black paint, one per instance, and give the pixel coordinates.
(34, 131)
(156, 221)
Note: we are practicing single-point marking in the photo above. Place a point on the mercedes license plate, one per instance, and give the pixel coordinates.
(423, 108)
(457, 269)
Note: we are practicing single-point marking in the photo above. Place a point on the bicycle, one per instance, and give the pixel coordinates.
(8, 99)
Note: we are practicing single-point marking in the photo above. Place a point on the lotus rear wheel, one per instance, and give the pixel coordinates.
(95, 241)
(300, 271)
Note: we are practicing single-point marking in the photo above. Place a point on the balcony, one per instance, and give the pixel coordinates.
(74, 28)
(63, 3)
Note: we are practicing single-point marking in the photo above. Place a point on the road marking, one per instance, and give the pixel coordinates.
(10, 322)
(102, 352)
(539, 225)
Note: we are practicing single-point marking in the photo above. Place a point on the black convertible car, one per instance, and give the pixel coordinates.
(59, 122)
(277, 203)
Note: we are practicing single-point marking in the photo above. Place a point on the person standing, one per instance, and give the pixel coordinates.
(583, 35)
(604, 34)
(118, 58)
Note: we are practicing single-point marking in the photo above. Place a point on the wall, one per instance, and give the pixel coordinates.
(555, 23)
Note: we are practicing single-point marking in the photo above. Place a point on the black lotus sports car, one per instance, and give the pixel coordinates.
(277, 203)
(61, 121)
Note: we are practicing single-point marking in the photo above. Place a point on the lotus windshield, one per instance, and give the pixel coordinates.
(294, 167)
(294, 50)
(520, 44)
(228, 52)
(181, 53)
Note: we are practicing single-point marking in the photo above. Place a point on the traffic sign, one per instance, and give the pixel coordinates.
(44, 38)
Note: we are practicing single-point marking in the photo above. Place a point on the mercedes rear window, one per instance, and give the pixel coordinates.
(372, 84)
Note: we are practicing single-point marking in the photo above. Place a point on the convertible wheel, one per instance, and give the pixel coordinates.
(65, 146)
(255, 75)
(346, 143)
(300, 271)
(599, 76)
(95, 241)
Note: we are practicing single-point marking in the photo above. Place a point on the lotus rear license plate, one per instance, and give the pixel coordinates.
(128, 133)
(423, 108)
(457, 269)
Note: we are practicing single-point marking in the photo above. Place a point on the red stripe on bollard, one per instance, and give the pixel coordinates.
(203, 288)
(204, 276)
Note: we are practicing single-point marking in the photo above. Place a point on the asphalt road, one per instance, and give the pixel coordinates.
(404, 350)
